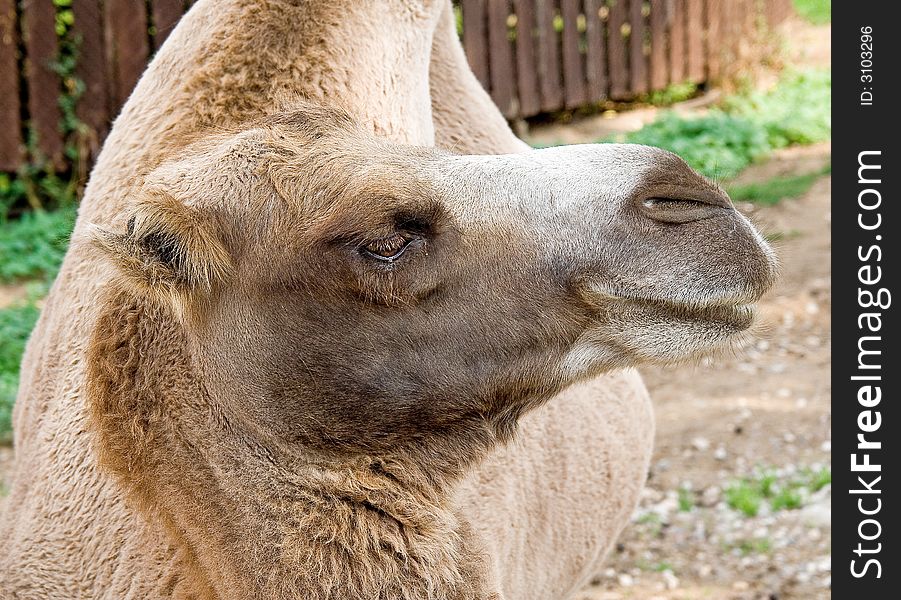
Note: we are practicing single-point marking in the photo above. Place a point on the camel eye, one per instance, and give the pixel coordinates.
(388, 249)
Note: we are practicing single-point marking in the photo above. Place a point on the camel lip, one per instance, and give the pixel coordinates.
(735, 312)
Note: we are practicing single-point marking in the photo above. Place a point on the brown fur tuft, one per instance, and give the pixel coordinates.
(168, 252)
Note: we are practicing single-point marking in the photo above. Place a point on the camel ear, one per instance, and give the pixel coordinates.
(168, 251)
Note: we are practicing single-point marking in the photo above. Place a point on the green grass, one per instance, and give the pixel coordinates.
(787, 499)
(774, 190)
(797, 111)
(16, 323)
(718, 145)
(819, 479)
(818, 12)
(686, 499)
(788, 493)
(673, 93)
(31, 251)
(33, 246)
(744, 497)
(747, 127)
(760, 545)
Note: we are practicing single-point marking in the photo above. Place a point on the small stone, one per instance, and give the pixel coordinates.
(788, 437)
(740, 586)
(625, 580)
(710, 495)
(701, 444)
(801, 403)
(818, 514)
(670, 580)
(826, 446)
(719, 453)
(783, 392)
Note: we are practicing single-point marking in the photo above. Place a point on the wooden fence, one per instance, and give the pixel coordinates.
(533, 56)
(550, 55)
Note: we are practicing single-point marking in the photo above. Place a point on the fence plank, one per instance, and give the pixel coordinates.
(677, 42)
(573, 72)
(658, 63)
(93, 70)
(695, 39)
(616, 50)
(10, 125)
(44, 86)
(595, 52)
(548, 58)
(501, 70)
(166, 14)
(475, 39)
(526, 64)
(127, 43)
(638, 61)
(713, 10)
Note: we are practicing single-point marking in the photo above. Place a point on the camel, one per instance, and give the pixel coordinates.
(327, 329)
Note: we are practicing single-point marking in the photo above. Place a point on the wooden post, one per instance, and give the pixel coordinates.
(44, 86)
(616, 50)
(474, 39)
(526, 64)
(10, 123)
(127, 46)
(659, 64)
(595, 52)
(638, 62)
(92, 68)
(500, 57)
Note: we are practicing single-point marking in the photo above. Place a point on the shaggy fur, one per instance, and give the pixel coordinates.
(222, 399)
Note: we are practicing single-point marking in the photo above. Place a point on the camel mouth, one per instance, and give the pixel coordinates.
(738, 317)
(730, 313)
(733, 316)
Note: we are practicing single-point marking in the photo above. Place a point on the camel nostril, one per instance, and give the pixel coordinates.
(680, 210)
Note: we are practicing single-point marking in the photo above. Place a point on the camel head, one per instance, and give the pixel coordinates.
(314, 332)
(341, 291)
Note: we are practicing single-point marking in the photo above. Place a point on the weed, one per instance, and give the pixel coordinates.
(789, 498)
(16, 323)
(818, 12)
(673, 93)
(797, 111)
(819, 479)
(754, 546)
(33, 246)
(744, 497)
(686, 499)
